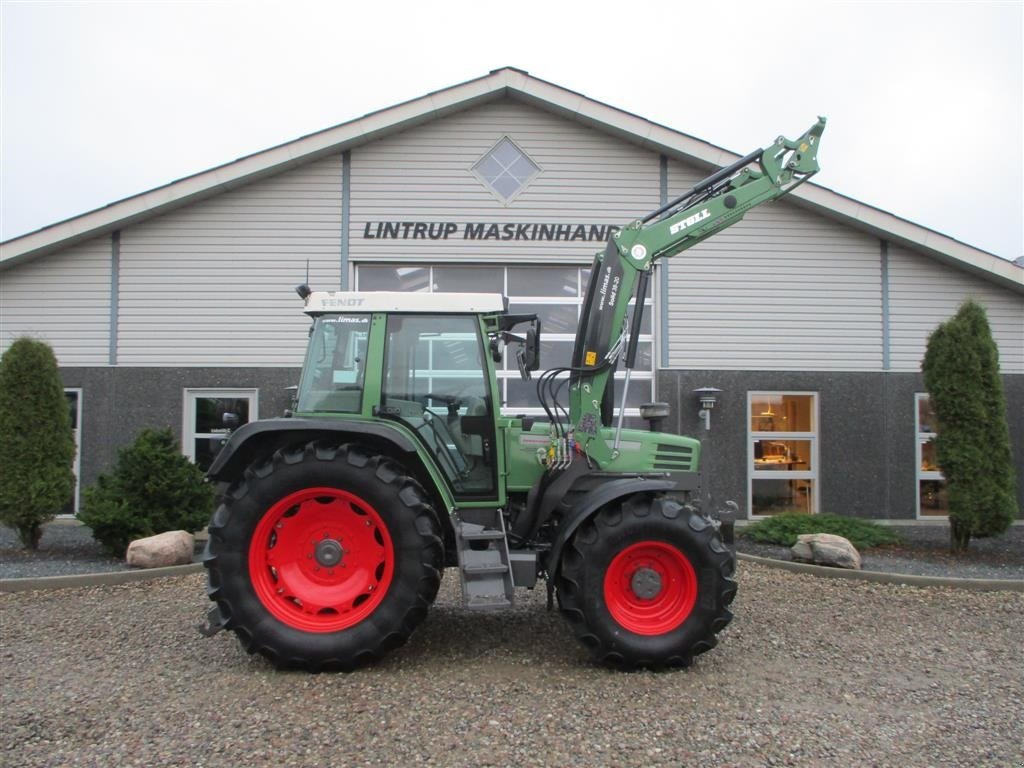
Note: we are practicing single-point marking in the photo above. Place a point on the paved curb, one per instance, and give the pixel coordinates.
(97, 579)
(882, 577)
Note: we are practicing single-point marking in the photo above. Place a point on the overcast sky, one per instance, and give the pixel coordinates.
(925, 100)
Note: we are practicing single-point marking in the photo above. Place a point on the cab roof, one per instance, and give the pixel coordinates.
(323, 302)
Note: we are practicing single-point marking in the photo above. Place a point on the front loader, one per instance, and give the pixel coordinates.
(337, 521)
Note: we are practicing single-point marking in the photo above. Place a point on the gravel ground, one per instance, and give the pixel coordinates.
(66, 548)
(812, 672)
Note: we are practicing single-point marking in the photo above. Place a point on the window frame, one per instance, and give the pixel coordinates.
(489, 186)
(813, 437)
(189, 413)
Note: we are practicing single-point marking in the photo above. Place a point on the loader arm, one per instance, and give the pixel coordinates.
(621, 273)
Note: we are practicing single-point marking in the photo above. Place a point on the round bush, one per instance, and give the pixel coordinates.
(153, 488)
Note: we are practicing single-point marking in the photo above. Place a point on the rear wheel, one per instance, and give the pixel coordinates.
(324, 557)
(646, 582)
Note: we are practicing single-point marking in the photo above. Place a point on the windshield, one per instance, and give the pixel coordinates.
(332, 378)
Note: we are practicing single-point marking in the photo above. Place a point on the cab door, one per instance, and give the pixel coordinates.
(437, 380)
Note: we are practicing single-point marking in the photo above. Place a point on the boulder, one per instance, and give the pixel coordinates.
(162, 550)
(826, 549)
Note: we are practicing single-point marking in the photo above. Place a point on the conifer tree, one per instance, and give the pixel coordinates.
(961, 374)
(37, 447)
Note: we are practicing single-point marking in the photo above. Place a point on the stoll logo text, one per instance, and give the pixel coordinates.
(688, 222)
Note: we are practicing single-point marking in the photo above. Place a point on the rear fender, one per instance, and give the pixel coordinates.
(261, 438)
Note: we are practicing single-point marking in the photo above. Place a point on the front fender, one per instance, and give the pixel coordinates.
(258, 438)
(589, 504)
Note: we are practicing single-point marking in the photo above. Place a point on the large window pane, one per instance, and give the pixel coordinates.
(394, 278)
(934, 501)
(543, 281)
(644, 350)
(210, 412)
(554, 318)
(781, 413)
(645, 321)
(454, 354)
(639, 392)
(931, 485)
(926, 419)
(782, 455)
(469, 280)
(435, 383)
(205, 428)
(928, 463)
(332, 380)
(72, 397)
(523, 394)
(74, 400)
(771, 497)
(555, 354)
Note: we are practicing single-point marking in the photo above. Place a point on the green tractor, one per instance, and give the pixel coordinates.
(337, 520)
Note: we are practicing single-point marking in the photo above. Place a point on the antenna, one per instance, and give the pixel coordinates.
(304, 290)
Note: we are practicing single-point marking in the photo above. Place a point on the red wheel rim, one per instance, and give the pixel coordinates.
(321, 560)
(650, 588)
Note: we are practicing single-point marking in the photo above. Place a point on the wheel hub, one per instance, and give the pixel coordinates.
(646, 583)
(328, 552)
(301, 571)
(650, 587)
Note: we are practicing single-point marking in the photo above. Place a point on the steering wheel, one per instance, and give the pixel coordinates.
(452, 401)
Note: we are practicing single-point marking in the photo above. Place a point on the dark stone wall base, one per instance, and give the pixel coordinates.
(866, 433)
(118, 403)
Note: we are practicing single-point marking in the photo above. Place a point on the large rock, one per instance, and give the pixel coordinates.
(164, 549)
(826, 549)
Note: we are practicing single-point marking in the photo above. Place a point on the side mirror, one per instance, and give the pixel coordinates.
(230, 421)
(528, 354)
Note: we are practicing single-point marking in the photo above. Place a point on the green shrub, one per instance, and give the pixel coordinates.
(972, 448)
(152, 489)
(784, 528)
(37, 447)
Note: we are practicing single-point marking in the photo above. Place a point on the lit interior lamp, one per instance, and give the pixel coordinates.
(708, 397)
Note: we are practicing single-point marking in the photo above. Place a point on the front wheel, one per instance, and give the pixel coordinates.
(324, 557)
(646, 582)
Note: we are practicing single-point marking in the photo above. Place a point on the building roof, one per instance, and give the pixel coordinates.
(499, 84)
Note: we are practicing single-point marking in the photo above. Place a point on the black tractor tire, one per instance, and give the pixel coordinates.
(646, 582)
(323, 557)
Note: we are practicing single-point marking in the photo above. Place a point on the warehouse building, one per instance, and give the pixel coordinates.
(810, 316)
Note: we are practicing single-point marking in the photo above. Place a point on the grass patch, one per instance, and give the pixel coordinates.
(784, 528)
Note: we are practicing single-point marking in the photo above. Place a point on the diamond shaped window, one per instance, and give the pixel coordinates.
(506, 169)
